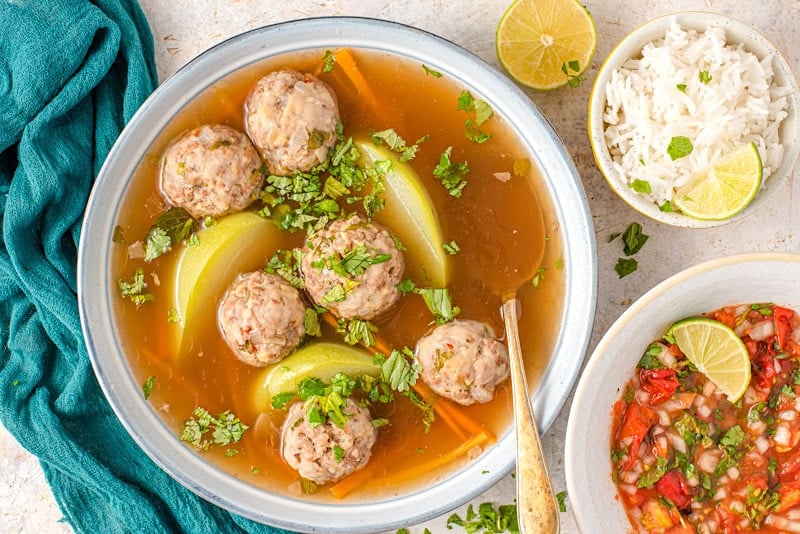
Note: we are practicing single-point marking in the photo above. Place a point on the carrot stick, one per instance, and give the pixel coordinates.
(345, 486)
(346, 61)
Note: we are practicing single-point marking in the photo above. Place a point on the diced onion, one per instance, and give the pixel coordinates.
(708, 388)
(787, 415)
(704, 411)
(762, 444)
(762, 330)
(782, 435)
(708, 461)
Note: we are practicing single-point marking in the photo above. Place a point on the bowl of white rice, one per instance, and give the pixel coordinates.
(707, 80)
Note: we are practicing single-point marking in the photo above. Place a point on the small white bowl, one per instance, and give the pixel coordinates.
(746, 278)
(735, 32)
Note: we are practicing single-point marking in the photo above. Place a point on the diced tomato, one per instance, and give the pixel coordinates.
(636, 424)
(783, 325)
(789, 466)
(656, 516)
(764, 370)
(752, 347)
(680, 529)
(790, 495)
(673, 486)
(725, 315)
(659, 383)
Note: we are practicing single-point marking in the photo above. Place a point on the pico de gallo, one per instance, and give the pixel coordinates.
(687, 460)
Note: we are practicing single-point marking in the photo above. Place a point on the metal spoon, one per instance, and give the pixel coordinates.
(537, 510)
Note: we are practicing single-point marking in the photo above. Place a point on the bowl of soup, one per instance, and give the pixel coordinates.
(293, 263)
(660, 440)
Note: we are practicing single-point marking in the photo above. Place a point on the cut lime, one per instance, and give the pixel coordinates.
(409, 213)
(716, 351)
(321, 360)
(546, 44)
(236, 243)
(725, 189)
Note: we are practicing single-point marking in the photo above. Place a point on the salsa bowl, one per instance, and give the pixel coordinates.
(734, 280)
(571, 269)
(625, 54)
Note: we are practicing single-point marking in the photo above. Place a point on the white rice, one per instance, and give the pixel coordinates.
(646, 109)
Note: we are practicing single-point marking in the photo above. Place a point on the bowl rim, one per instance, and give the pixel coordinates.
(560, 177)
(789, 130)
(585, 513)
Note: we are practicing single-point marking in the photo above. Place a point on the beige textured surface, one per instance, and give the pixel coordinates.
(184, 28)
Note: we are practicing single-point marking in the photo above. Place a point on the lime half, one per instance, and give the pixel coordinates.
(716, 351)
(725, 189)
(546, 44)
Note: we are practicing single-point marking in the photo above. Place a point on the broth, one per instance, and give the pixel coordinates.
(489, 222)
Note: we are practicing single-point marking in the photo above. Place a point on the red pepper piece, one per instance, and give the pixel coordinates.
(674, 486)
(659, 383)
(790, 495)
(636, 425)
(783, 325)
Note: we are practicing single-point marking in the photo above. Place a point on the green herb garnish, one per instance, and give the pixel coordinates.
(147, 387)
(679, 147)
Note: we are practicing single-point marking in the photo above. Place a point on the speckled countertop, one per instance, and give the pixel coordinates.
(184, 28)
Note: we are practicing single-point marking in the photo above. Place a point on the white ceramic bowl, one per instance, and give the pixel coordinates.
(736, 33)
(746, 278)
(96, 288)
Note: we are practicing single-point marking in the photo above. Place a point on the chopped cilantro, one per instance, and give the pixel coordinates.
(634, 239)
(487, 519)
(451, 248)
(357, 331)
(311, 322)
(398, 371)
(561, 497)
(451, 174)
(173, 316)
(704, 77)
(338, 453)
(328, 61)
(225, 429)
(431, 72)
(171, 227)
(573, 66)
(135, 290)
(538, 276)
(650, 358)
(147, 387)
(439, 303)
(406, 286)
(483, 112)
(679, 147)
(681, 87)
(666, 207)
(626, 266)
(654, 474)
(286, 263)
(397, 143)
(642, 186)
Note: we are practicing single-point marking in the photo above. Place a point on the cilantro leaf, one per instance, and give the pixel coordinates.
(225, 429)
(398, 371)
(328, 61)
(135, 290)
(641, 186)
(171, 227)
(634, 239)
(626, 266)
(439, 303)
(679, 147)
(451, 174)
(147, 387)
(431, 72)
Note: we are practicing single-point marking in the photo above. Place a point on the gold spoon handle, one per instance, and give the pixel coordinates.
(537, 511)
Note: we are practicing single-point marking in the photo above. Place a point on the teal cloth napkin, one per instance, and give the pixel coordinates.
(72, 73)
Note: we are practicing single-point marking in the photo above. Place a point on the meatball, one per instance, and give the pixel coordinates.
(352, 267)
(211, 170)
(262, 318)
(325, 453)
(463, 361)
(291, 117)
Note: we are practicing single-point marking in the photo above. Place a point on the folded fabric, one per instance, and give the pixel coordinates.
(72, 72)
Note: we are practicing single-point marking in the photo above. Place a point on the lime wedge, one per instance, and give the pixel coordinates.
(321, 360)
(236, 243)
(546, 44)
(409, 213)
(716, 351)
(725, 189)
